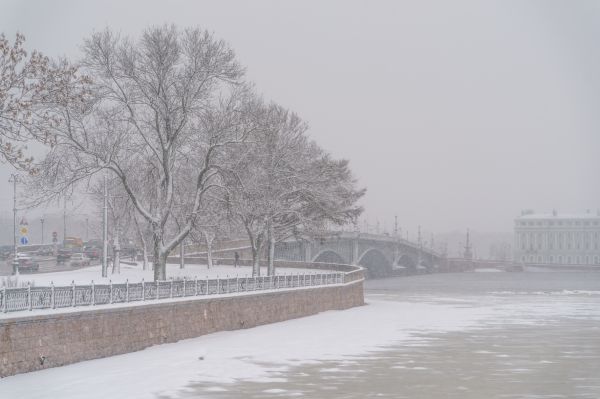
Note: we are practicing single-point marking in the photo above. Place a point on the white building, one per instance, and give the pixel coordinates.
(557, 238)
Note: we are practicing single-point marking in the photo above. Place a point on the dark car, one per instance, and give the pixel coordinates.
(26, 265)
(92, 252)
(63, 255)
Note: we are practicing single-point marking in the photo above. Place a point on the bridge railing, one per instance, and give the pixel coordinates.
(54, 297)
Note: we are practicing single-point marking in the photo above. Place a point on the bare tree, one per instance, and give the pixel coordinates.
(27, 85)
(285, 185)
(162, 112)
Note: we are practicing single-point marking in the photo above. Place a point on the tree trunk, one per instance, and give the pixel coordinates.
(144, 255)
(160, 259)
(181, 255)
(209, 240)
(271, 252)
(256, 246)
(255, 262)
(144, 244)
(116, 254)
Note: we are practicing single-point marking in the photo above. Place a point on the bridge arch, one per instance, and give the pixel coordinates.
(329, 256)
(406, 261)
(375, 262)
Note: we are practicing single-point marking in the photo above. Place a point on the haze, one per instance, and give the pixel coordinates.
(453, 114)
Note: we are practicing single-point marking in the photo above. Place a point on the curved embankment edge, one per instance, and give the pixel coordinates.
(29, 343)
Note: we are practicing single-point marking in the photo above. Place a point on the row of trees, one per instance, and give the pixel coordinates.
(189, 148)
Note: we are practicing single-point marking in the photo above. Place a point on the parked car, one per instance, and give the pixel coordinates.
(6, 252)
(79, 259)
(63, 255)
(25, 265)
(92, 252)
(44, 252)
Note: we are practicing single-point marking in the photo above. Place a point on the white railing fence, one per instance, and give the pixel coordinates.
(53, 297)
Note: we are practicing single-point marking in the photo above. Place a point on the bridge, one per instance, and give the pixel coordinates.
(381, 255)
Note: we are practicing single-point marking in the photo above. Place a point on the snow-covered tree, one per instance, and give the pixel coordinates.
(286, 185)
(162, 112)
(27, 84)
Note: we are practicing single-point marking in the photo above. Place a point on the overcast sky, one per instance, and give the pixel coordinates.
(453, 114)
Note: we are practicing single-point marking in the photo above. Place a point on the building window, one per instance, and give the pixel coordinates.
(539, 259)
(579, 259)
(587, 259)
(522, 258)
(531, 258)
(569, 260)
(597, 260)
(560, 259)
(551, 259)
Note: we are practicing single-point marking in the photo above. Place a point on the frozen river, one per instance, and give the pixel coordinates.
(539, 339)
(469, 335)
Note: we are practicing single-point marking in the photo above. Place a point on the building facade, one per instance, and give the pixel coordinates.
(557, 238)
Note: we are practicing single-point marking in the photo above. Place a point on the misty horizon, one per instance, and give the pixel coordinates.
(450, 119)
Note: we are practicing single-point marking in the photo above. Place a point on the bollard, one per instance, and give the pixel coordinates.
(171, 292)
(184, 293)
(52, 294)
(126, 290)
(143, 290)
(110, 289)
(93, 300)
(195, 285)
(157, 289)
(73, 293)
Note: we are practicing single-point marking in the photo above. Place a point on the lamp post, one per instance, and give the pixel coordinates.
(42, 222)
(105, 230)
(14, 179)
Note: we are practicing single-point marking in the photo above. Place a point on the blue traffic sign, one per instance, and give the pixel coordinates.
(24, 241)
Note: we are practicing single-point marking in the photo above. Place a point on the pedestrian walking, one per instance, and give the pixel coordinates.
(236, 259)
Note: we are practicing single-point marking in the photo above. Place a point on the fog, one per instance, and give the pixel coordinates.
(453, 114)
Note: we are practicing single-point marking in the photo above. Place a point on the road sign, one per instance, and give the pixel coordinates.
(24, 240)
(23, 221)
(54, 236)
(24, 230)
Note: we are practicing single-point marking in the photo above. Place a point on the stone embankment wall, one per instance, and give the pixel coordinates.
(31, 343)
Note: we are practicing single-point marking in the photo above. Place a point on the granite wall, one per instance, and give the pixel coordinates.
(65, 338)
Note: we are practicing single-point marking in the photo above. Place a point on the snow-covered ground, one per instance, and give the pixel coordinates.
(135, 274)
(257, 354)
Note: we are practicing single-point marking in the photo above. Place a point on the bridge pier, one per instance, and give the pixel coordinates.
(354, 260)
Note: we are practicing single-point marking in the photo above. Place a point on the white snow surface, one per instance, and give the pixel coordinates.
(257, 354)
(135, 274)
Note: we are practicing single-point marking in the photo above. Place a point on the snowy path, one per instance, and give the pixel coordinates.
(257, 354)
(135, 274)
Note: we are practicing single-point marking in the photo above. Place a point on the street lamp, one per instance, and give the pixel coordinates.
(42, 222)
(14, 179)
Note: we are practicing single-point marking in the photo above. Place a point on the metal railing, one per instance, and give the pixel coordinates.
(54, 297)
